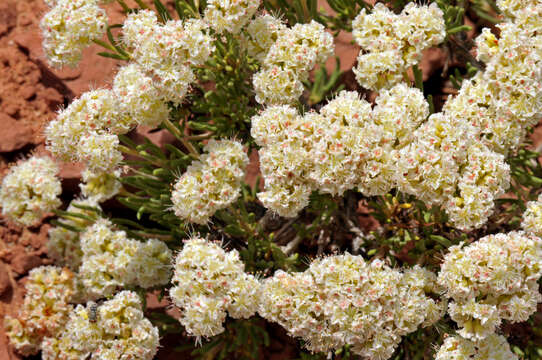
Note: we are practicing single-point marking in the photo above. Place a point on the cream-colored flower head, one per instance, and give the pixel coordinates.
(166, 52)
(49, 290)
(120, 331)
(100, 186)
(139, 99)
(211, 183)
(138, 27)
(209, 284)
(391, 43)
(288, 62)
(494, 347)
(230, 15)
(275, 85)
(30, 190)
(505, 99)
(492, 279)
(69, 27)
(99, 151)
(262, 33)
(343, 300)
(346, 145)
(484, 177)
(111, 261)
(84, 131)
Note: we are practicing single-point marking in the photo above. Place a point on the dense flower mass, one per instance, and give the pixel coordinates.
(210, 283)
(392, 43)
(140, 102)
(346, 145)
(343, 300)
(494, 347)
(86, 131)
(49, 290)
(100, 186)
(211, 183)
(505, 99)
(166, 51)
(111, 261)
(119, 331)
(206, 69)
(289, 59)
(30, 190)
(69, 27)
(262, 33)
(80, 132)
(230, 15)
(492, 279)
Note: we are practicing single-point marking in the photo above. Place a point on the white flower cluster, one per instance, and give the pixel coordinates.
(492, 279)
(506, 98)
(391, 43)
(166, 52)
(289, 59)
(69, 27)
(100, 186)
(350, 145)
(63, 245)
(343, 300)
(30, 190)
(494, 347)
(80, 132)
(211, 183)
(262, 33)
(208, 283)
(230, 15)
(120, 332)
(86, 131)
(111, 260)
(446, 165)
(346, 145)
(532, 217)
(49, 290)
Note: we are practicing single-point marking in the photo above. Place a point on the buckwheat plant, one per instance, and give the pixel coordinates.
(208, 283)
(120, 331)
(49, 293)
(242, 182)
(30, 190)
(493, 347)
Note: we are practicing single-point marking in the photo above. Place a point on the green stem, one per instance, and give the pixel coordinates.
(133, 152)
(153, 236)
(180, 136)
(66, 226)
(200, 136)
(105, 45)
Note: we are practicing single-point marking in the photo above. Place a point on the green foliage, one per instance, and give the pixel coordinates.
(223, 101)
(324, 85)
(457, 78)
(243, 340)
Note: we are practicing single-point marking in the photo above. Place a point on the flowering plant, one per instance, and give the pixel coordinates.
(451, 263)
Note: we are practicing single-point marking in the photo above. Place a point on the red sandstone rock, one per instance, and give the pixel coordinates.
(4, 278)
(23, 262)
